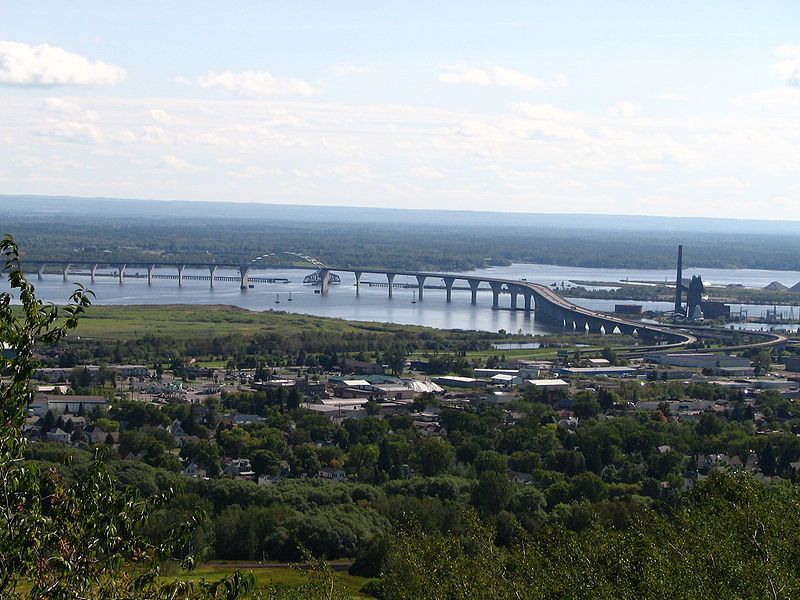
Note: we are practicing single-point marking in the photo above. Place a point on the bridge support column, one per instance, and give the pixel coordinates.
(122, 273)
(244, 272)
(528, 297)
(594, 326)
(421, 285)
(41, 271)
(513, 299)
(390, 279)
(324, 281)
(358, 275)
(150, 270)
(94, 272)
(496, 288)
(180, 275)
(212, 270)
(65, 270)
(448, 284)
(473, 288)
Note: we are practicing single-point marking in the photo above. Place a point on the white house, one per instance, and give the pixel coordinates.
(59, 435)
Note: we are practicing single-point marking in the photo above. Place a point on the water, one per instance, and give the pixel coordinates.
(372, 303)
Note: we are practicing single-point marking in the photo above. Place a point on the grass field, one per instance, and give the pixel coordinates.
(283, 576)
(190, 321)
(280, 577)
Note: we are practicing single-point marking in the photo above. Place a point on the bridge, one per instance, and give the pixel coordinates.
(153, 270)
(549, 307)
(526, 296)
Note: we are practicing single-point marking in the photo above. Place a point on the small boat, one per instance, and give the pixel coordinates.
(316, 291)
(251, 286)
(414, 297)
(277, 299)
(290, 297)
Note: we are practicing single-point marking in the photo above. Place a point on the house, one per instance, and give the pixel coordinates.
(59, 435)
(193, 471)
(520, 478)
(95, 435)
(32, 433)
(239, 468)
(331, 474)
(78, 422)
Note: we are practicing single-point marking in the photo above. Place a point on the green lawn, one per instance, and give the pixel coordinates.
(190, 321)
(273, 576)
(283, 576)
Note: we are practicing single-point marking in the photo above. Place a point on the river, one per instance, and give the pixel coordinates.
(372, 303)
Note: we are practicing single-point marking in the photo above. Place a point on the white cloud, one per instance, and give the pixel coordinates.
(349, 70)
(173, 163)
(70, 131)
(46, 66)
(673, 97)
(61, 105)
(623, 110)
(161, 116)
(427, 173)
(493, 75)
(787, 69)
(725, 183)
(256, 83)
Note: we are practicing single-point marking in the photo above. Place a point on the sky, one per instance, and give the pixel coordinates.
(668, 108)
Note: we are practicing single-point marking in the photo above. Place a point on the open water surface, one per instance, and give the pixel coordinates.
(373, 304)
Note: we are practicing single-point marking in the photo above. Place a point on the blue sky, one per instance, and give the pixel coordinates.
(607, 107)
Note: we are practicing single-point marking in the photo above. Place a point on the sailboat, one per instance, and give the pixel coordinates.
(290, 297)
(277, 299)
(413, 296)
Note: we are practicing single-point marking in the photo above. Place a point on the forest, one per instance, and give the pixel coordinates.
(619, 506)
(422, 246)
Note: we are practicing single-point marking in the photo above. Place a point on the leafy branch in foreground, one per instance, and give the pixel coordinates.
(82, 540)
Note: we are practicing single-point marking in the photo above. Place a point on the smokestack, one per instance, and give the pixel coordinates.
(679, 280)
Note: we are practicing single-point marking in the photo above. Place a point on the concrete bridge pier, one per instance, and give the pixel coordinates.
(325, 281)
(41, 271)
(421, 285)
(65, 270)
(514, 292)
(212, 271)
(244, 272)
(528, 297)
(122, 273)
(473, 288)
(595, 325)
(496, 289)
(390, 279)
(94, 272)
(180, 275)
(150, 270)
(358, 275)
(448, 284)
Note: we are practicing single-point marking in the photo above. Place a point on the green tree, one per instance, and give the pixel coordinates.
(433, 455)
(70, 539)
